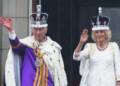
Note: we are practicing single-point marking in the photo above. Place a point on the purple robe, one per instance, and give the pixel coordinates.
(28, 67)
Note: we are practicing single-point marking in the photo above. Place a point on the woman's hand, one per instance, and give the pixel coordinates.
(6, 22)
(83, 39)
(84, 36)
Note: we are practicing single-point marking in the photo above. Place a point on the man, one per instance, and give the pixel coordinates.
(35, 60)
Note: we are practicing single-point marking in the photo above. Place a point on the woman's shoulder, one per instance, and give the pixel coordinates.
(114, 44)
(90, 44)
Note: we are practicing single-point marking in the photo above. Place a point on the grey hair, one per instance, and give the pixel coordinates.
(108, 35)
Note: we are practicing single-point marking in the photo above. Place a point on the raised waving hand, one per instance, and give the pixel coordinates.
(83, 39)
(6, 22)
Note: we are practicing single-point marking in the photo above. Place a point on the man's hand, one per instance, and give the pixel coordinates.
(6, 22)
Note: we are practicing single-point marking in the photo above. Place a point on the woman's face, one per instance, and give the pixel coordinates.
(100, 35)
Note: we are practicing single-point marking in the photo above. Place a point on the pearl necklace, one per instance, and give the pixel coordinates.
(102, 48)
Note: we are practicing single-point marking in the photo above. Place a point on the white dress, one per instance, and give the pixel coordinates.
(104, 66)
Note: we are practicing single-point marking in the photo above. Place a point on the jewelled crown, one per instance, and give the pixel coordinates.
(100, 22)
(39, 19)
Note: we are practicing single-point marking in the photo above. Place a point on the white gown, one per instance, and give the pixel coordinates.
(104, 66)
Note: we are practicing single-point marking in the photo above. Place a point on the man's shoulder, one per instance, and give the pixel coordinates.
(27, 41)
(27, 38)
(55, 44)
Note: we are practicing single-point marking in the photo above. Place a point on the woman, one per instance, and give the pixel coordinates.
(100, 61)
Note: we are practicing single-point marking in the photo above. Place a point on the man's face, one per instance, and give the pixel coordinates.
(40, 33)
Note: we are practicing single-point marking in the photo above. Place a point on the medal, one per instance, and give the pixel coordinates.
(38, 62)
